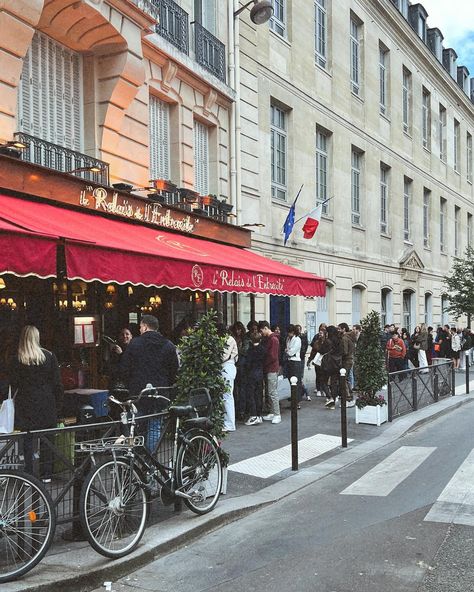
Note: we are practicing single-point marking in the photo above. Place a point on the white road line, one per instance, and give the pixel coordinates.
(273, 462)
(456, 501)
(384, 477)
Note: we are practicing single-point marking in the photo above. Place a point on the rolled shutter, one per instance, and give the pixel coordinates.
(201, 158)
(159, 139)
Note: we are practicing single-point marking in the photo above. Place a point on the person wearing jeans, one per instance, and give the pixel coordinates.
(271, 365)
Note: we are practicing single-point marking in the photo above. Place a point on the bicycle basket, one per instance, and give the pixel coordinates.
(200, 399)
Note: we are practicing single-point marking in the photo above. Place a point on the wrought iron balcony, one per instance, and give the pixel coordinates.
(173, 24)
(62, 159)
(210, 52)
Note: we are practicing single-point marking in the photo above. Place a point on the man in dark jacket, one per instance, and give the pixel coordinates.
(149, 359)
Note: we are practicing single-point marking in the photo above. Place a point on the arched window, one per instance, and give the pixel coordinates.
(444, 310)
(428, 309)
(386, 315)
(409, 312)
(357, 304)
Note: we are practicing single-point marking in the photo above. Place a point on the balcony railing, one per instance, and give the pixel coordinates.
(148, 6)
(173, 24)
(62, 159)
(210, 52)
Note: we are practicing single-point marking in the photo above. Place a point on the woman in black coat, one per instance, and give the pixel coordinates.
(35, 377)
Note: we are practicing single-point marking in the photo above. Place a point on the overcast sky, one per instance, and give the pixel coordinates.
(455, 19)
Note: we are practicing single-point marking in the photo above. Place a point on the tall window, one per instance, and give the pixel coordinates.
(159, 139)
(201, 158)
(456, 145)
(322, 169)
(406, 100)
(469, 157)
(426, 217)
(278, 20)
(383, 78)
(442, 133)
(205, 13)
(444, 310)
(469, 230)
(320, 32)
(278, 152)
(428, 309)
(386, 306)
(357, 312)
(442, 225)
(384, 172)
(355, 32)
(457, 230)
(355, 185)
(426, 119)
(50, 96)
(407, 189)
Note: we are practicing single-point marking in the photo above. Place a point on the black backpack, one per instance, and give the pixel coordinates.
(331, 362)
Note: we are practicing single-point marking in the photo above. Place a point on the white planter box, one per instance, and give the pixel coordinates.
(373, 414)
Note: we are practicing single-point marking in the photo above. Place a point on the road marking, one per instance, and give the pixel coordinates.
(273, 462)
(456, 502)
(384, 477)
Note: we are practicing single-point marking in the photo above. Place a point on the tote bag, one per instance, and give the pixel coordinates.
(7, 414)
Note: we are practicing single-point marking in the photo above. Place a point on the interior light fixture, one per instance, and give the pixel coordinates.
(15, 144)
(89, 169)
(260, 12)
(2, 284)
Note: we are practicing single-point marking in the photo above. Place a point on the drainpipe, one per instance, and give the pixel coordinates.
(234, 136)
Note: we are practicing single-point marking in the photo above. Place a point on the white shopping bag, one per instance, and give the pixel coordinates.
(7, 414)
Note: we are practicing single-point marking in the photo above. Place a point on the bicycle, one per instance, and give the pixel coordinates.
(27, 523)
(115, 496)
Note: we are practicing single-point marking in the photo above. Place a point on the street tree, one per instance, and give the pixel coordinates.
(460, 285)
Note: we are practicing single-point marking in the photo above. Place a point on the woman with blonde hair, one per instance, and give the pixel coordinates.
(34, 374)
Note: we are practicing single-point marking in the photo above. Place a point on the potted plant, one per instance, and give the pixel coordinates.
(371, 373)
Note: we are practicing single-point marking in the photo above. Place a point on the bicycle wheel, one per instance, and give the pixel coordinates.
(27, 523)
(199, 472)
(113, 508)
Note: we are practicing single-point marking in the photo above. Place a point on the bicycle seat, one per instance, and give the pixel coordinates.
(201, 423)
(181, 410)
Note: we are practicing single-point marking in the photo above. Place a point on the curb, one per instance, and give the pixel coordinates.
(82, 569)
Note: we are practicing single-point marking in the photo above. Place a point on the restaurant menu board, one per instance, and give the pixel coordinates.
(85, 331)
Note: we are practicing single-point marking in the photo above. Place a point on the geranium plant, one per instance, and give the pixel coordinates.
(370, 368)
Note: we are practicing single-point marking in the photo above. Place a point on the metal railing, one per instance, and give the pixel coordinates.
(409, 390)
(173, 24)
(62, 159)
(210, 52)
(148, 6)
(215, 209)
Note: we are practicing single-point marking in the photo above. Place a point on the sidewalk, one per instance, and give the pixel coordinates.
(75, 566)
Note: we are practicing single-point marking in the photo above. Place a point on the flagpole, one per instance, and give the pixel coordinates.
(321, 204)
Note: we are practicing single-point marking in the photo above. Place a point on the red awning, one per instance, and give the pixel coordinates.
(108, 250)
(26, 253)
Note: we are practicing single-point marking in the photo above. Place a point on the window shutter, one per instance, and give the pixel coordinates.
(159, 139)
(201, 158)
(209, 21)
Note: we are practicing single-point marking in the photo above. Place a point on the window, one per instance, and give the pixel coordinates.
(322, 169)
(408, 320)
(426, 217)
(50, 97)
(406, 100)
(355, 32)
(442, 133)
(442, 225)
(278, 20)
(320, 32)
(469, 157)
(278, 152)
(457, 216)
(201, 158)
(383, 78)
(355, 185)
(384, 172)
(422, 27)
(426, 119)
(444, 310)
(159, 139)
(386, 307)
(469, 230)
(428, 309)
(407, 189)
(456, 145)
(357, 312)
(205, 13)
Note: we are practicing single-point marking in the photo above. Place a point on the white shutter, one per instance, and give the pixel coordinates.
(201, 158)
(50, 93)
(159, 139)
(209, 20)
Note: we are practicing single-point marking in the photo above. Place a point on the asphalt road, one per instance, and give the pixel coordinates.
(405, 522)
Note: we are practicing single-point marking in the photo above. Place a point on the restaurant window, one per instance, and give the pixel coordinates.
(384, 173)
(442, 225)
(159, 139)
(50, 95)
(278, 149)
(442, 133)
(201, 158)
(356, 164)
(278, 19)
(320, 32)
(426, 119)
(383, 78)
(406, 100)
(426, 217)
(457, 138)
(407, 192)
(322, 142)
(355, 55)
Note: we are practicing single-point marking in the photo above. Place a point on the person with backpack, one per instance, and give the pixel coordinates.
(331, 362)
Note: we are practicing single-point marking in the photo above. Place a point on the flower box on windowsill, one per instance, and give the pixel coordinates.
(372, 414)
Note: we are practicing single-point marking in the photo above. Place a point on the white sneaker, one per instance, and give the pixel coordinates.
(268, 417)
(276, 419)
(350, 403)
(252, 421)
(260, 420)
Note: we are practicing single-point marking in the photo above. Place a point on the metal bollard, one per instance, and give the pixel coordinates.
(466, 357)
(342, 398)
(453, 380)
(294, 423)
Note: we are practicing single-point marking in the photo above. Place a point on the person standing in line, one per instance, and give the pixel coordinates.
(293, 357)
(304, 348)
(316, 343)
(237, 330)
(455, 347)
(422, 341)
(466, 344)
(429, 351)
(149, 359)
(348, 346)
(34, 374)
(396, 354)
(331, 364)
(254, 385)
(271, 366)
(230, 357)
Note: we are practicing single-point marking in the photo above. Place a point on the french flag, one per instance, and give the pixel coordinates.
(312, 221)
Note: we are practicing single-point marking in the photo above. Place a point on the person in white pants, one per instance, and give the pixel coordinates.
(229, 371)
(422, 341)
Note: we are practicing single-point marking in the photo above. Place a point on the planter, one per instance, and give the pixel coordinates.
(372, 414)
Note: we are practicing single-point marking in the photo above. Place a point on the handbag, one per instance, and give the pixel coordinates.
(7, 413)
(318, 358)
(416, 346)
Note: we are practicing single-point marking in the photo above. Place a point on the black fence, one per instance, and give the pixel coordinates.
(409, 390)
